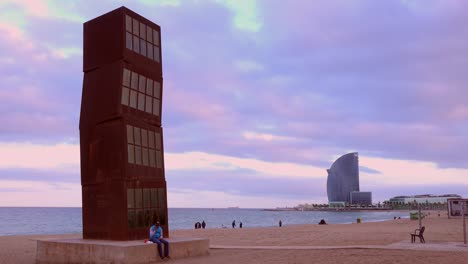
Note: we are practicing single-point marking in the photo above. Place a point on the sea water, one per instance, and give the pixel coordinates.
(58, 220)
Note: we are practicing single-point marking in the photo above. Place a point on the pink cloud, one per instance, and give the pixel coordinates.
(33, 7)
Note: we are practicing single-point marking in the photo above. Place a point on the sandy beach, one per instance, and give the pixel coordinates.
(303, 242)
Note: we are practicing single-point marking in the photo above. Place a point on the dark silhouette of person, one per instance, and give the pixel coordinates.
(394, 217)
(196, 225)
(280, 223)
(234, 224)
(240, 225)
(203, 224)
(322, 222)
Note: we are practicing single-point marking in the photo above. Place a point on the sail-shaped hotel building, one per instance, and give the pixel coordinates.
(343, 181)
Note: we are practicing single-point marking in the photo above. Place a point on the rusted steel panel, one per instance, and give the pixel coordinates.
(121, 138)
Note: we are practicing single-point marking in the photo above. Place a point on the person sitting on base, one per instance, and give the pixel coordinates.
(157, 237)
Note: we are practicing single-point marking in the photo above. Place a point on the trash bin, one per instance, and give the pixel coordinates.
(414, 215)
(358, 220)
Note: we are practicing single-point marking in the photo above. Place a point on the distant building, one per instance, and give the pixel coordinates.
(343, 180)
(423, 198)
(363, 198)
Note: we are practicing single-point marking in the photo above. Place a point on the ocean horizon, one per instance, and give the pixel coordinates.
(63, 220)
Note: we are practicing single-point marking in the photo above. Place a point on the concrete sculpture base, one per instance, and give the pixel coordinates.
(106, 251)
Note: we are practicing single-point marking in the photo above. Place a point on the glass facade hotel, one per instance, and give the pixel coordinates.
(343, 178)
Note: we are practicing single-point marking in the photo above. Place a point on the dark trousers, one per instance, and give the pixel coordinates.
(159, 242)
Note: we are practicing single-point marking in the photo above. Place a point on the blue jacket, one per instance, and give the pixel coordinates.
(156, 232)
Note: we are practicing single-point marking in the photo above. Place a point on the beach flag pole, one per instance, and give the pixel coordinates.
(464, 221)
(419, 215)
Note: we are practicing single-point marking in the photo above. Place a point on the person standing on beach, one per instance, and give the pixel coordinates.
(240, 225)
(234, 224)
(203, 224)
(280, 223)
(157, 237)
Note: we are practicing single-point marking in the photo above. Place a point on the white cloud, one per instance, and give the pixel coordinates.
(264, 137)
(60, 157)
(65, 158)
(206, 161)
(403, 172)
(248, 66)
(199, 198)
(33, 193)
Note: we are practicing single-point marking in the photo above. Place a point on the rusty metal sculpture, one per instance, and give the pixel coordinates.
(121, 137)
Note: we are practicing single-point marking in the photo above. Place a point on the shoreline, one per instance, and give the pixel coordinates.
(261, 244)
(222, 228)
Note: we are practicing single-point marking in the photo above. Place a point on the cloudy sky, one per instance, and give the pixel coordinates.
(260, 98)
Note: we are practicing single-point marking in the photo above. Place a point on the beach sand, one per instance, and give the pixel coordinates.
(439, 231)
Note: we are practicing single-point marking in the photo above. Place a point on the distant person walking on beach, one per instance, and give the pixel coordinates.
(156, 236)
(203, 224)
(280, 223)
(240, 225)
(234, 224)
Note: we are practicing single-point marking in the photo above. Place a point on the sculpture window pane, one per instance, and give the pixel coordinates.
(148, 104)
(142, 31)
(150, 51)
(144, 137)
(146, 197)
(152, 158)
(128, 41)
(154, 215)
(161, 197)
(149, 34)
(136, 44)
(151, 139)
(128, 23)
(156, 107)
(136, 25)
(140, 218)
(162, 216)
(130, 198)
(157, 89)
(126, 77)
(131, 154)
(134, 83)
(138, 155)
(131, 219)
(145, 156)
(148, 214)
(141, 101)
(158, 140)
(154, 197)
(141, 84)
(159, 159)
(125, 95)
(136, 131)
(133, 99)
(138, 198)
(129, 134)
(155, 37)
(142, 47)
(156, 53)
(149, 86)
